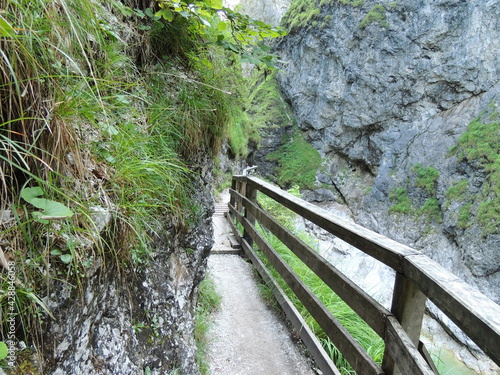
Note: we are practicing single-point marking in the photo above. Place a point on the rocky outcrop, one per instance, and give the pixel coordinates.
(270, 12)
(125, 322)
(384, 92)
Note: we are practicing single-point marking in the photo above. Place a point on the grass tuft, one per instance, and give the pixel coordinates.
(372, 343)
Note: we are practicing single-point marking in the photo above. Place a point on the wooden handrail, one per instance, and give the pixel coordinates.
(418, 278)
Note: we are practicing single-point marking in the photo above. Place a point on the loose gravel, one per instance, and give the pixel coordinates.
(247, 337)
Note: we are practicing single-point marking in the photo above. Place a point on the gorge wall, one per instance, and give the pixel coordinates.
(385, 92)
(401, 99)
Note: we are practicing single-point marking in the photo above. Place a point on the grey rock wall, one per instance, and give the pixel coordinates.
(123, 322)
(268, 11)
(376, 101)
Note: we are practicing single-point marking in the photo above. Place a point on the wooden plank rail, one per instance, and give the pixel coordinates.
(417, 278)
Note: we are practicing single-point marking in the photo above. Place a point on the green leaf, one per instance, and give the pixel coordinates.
(204, 21)
(166, 14)
(6, 29)
(55, 252)
(222, 26)
(28, 194)
(139, 13)
(66, 258)
(216, 4)
(51, 209)
(37, 216)
(40, 303)
(4, 351)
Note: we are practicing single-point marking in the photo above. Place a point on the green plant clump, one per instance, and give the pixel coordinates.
(298, 162)
(376, 15)
(431, 209)
(403, 203)
(301, 13)
(209, 301)
(480, 145)
(427, 178)
(457, 191)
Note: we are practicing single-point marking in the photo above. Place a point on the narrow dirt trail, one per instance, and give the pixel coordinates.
(246, 337)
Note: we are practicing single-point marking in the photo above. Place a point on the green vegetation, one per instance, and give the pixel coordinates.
(234, 31)
(97, 136)
(298, 162)
(480, 145)
(426, 178)
(372, 343)
(310, 14)
(431, 210)
(265, 104)
(464, 216)
(264, 108)
(208, 302)
(457, 191)
(403, 202)
(301, 14)
(376, 15)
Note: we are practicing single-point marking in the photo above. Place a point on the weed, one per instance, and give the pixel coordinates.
(426, 178)
(464, 215)
(457, 191)
(298, 162)
(208, 302)
(479, 145)
(431, 210)
(376, 15)
(309, 14)
(73, 109)
(403, 203)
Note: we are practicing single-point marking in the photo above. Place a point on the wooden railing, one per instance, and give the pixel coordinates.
(418, 278)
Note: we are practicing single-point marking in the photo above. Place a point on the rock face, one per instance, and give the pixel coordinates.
(266, 11)
(384, 92)
(126, 323)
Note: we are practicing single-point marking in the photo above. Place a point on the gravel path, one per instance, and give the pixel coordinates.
(247, 338)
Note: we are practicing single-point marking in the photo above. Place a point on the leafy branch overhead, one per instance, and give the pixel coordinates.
(235, 32)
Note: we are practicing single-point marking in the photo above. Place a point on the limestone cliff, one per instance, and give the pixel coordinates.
(385, 91)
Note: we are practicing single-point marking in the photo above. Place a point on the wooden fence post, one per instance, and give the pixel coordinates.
(408, 306)
(251, 195)
(234, 186)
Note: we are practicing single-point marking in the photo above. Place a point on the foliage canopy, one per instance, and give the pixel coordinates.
(234, 31)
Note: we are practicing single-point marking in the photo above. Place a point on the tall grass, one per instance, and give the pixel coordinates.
(360, 330)
(79, 119)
